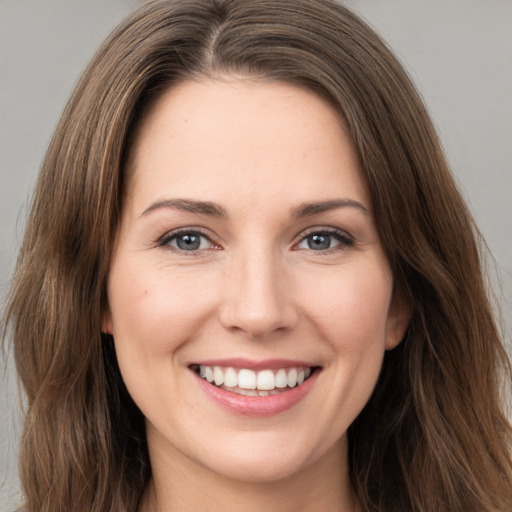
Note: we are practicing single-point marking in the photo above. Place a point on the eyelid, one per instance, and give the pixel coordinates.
(164, 240)
(345, 238)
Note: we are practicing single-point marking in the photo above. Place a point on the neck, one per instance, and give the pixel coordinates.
(181, 485)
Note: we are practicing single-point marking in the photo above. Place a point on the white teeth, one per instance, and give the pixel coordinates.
(251, 383)
(246, 379)
(281, 379)
(230, 378)
(218, 376)
(265, 380)
(292, 378)
(247, 392)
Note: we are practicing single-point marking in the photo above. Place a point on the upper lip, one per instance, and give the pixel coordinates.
(250, 364)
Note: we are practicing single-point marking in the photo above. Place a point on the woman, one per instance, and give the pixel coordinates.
(248, 280)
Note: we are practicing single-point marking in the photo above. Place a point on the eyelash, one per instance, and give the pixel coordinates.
(166, 240)
(345, 240)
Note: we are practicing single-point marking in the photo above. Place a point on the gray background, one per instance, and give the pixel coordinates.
(459, 53)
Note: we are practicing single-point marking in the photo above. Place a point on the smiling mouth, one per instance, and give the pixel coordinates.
(244, 381)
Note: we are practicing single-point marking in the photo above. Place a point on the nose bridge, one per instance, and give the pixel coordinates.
(255, 299)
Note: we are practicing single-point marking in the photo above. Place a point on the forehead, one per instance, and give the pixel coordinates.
(219, 139)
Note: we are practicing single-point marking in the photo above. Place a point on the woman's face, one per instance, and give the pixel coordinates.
(248, 254)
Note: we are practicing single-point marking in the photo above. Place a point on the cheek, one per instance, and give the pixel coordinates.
(350, 313)
(350, 307)
(154, 313)
(354, 326)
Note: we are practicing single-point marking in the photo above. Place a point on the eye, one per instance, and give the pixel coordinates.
(324, 240)
(187, 240)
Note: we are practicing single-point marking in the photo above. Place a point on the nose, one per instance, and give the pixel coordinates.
(256, 296)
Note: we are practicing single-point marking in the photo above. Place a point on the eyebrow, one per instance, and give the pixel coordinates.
(215, 210)
(188, 205)
(309, 209)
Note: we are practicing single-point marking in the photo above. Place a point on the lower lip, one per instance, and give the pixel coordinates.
(258, 405)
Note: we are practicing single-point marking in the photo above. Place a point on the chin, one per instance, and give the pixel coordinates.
(259, 469)
(267, 460)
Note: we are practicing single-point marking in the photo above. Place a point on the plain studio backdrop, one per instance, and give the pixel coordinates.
(458, 52)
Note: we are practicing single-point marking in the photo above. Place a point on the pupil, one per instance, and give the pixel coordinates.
(188, 242)
(319, 242)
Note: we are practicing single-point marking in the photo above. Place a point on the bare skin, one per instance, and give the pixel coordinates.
(306, 491)
(247, 240)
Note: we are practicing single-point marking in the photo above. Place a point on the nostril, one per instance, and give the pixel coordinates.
(258, 324)
(255, 299)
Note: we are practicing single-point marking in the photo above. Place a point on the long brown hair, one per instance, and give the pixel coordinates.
(433, 437)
